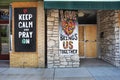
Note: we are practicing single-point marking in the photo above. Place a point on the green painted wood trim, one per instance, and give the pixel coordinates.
(82, 5)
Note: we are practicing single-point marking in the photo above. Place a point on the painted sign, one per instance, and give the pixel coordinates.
(25, 29)
(68, 33)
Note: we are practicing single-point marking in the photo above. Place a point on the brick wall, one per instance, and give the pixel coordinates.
(30, 59)
(23, 60)
(109, 42)
(53, 56)
(41, 34)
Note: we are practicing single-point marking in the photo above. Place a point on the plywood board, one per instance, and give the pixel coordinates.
(119, 19)
(81, 48)
(81, 40)
(90, 32)
(90, 41)
(87, 41)
(91, 49)
(81, 33)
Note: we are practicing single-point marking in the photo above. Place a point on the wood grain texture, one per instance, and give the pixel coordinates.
(81, 33)
(90, 32)
(90, 42)
(91, 49)
(87, 41)
(81, 40)
(81, 48)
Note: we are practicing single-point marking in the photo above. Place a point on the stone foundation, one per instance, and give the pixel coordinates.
(108, 36)
(54, 59)
(108, 39)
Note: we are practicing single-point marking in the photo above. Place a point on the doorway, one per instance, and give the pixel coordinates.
(4, 37)
(4, 33)
(4, 42)
(4, 45)
(87, 41)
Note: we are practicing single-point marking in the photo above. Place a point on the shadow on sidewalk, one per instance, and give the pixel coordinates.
(4, 63)
(94, 62)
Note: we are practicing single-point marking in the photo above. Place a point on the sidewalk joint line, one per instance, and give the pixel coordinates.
(90, 73)
(54, 74)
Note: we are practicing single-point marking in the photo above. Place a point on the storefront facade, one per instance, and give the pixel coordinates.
(27, 40)
(50, 34)
(99, 40)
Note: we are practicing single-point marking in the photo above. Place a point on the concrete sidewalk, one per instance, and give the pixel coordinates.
(82, 73)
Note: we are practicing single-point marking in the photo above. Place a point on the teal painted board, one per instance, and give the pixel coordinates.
(86, 0)
(74, 5)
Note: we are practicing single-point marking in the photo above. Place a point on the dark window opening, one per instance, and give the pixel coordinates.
(87, 17)
(102, 35)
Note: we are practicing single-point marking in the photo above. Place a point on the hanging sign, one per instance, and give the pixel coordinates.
(25, 29)
(68, 33)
